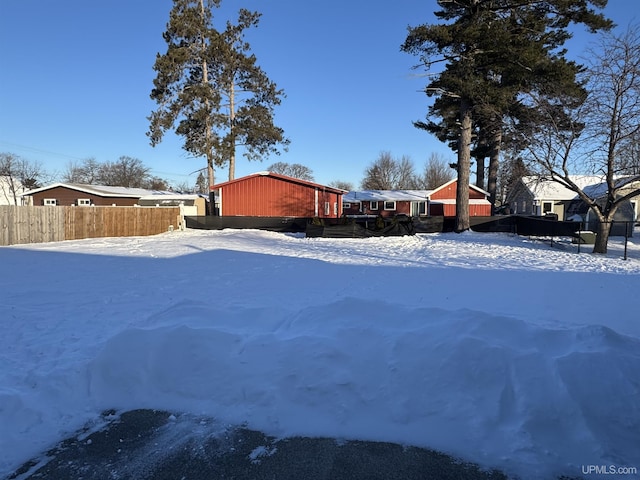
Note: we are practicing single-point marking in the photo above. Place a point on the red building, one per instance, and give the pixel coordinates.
(442, 201)
(433, 203)
(268, 194)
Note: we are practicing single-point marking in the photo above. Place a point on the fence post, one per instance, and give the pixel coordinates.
(626, 238)
(579, 236)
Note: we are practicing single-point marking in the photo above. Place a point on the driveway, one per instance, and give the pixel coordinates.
(149, 444)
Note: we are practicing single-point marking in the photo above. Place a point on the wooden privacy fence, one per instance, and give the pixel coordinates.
(26, 224)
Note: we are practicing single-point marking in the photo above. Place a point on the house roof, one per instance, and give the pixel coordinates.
(471, 186)
(387, 195)
(280, 177)
(400, 195)
(100, 190)
(546, 189)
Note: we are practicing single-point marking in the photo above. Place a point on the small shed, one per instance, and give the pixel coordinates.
(193, 204)
(268, 194)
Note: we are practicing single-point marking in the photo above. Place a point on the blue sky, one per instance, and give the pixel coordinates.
(77, 76)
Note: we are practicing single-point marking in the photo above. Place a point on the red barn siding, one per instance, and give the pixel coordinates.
(448, 192)
(483, 210)
(449, 210)
(269, 196)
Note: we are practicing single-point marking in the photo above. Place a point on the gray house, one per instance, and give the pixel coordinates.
(534, 195)
(540, 196)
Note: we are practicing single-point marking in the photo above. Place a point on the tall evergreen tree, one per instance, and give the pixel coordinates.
(201, 184)
(492, 51)
(210, 87)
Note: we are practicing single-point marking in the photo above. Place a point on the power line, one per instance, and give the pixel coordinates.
(39, 150)
(72, 157)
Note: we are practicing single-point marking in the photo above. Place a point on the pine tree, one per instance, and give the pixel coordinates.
(209, 86)
(201, 184)
(493, 51)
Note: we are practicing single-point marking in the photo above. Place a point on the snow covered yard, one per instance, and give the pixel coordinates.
(491, 347)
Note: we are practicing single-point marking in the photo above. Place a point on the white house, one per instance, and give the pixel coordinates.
(11, 191)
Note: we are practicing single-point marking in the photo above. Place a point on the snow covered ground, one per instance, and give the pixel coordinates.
(492, 347)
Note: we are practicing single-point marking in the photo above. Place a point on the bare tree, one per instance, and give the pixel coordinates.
(341, 184)
(125, 172)
(87, 172)
(294, 170)
(437, 171)
(388, 173)
(407, 178)
(155, 183)
(598, 134)
(629, 155)
(511, 171)
(182, 187)
(19, 175)
(381, 174)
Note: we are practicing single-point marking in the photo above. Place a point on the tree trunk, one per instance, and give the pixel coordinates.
(210, 170)
(494, 163)
(480, 171)
(602, 235)
(207, 133)
(232, 119)
(464, 168)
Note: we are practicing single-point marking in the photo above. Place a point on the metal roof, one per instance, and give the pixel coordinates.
(101, 190)
(546, 189)
(387, 195)
(280, 177)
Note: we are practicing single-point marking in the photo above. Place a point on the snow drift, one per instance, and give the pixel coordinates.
(356, 339)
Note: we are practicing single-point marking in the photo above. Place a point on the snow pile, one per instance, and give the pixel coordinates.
(521, 369)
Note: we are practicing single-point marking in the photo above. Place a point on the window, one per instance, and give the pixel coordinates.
(84, 201)
(50, 201)
(547, 207)
(373, 205)
(389, 205)
(335, 208)
(346, 205)
(327, 206)
(634, 205)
